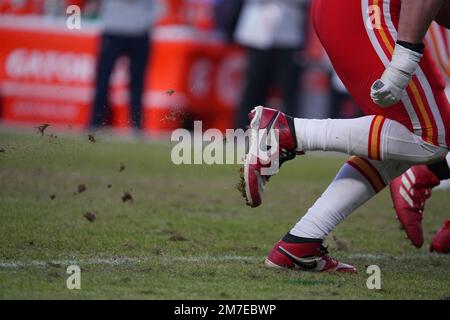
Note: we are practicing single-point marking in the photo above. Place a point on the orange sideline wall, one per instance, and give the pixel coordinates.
(47, 73)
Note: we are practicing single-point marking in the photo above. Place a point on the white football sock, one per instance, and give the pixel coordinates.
(357, 181)
(373, 137)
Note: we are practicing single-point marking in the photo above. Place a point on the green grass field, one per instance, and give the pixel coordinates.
(187, 233)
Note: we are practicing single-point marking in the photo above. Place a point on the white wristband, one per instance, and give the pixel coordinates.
(403, 65)
(404, 61)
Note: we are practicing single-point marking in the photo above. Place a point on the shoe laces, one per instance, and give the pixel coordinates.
(420, 195)
(323, 251)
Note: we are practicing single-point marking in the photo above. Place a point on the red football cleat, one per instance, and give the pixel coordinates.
(264, 156)
(441, 240)
(409, 193)
(308, 256)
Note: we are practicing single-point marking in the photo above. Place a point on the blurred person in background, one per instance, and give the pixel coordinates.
(126, 27)
(226, 15)
(273, 32)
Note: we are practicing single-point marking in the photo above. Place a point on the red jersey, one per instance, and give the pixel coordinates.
(359, 37)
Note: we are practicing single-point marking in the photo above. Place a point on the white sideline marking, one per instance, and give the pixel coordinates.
(402, 257)
(195, 259)
(123, 260)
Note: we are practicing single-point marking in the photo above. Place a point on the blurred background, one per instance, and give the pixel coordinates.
(149, 66)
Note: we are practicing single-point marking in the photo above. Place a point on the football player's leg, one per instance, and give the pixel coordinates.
(374, 137)
(357, 181)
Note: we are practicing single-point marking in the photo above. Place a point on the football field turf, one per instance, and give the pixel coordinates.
(183, 232)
